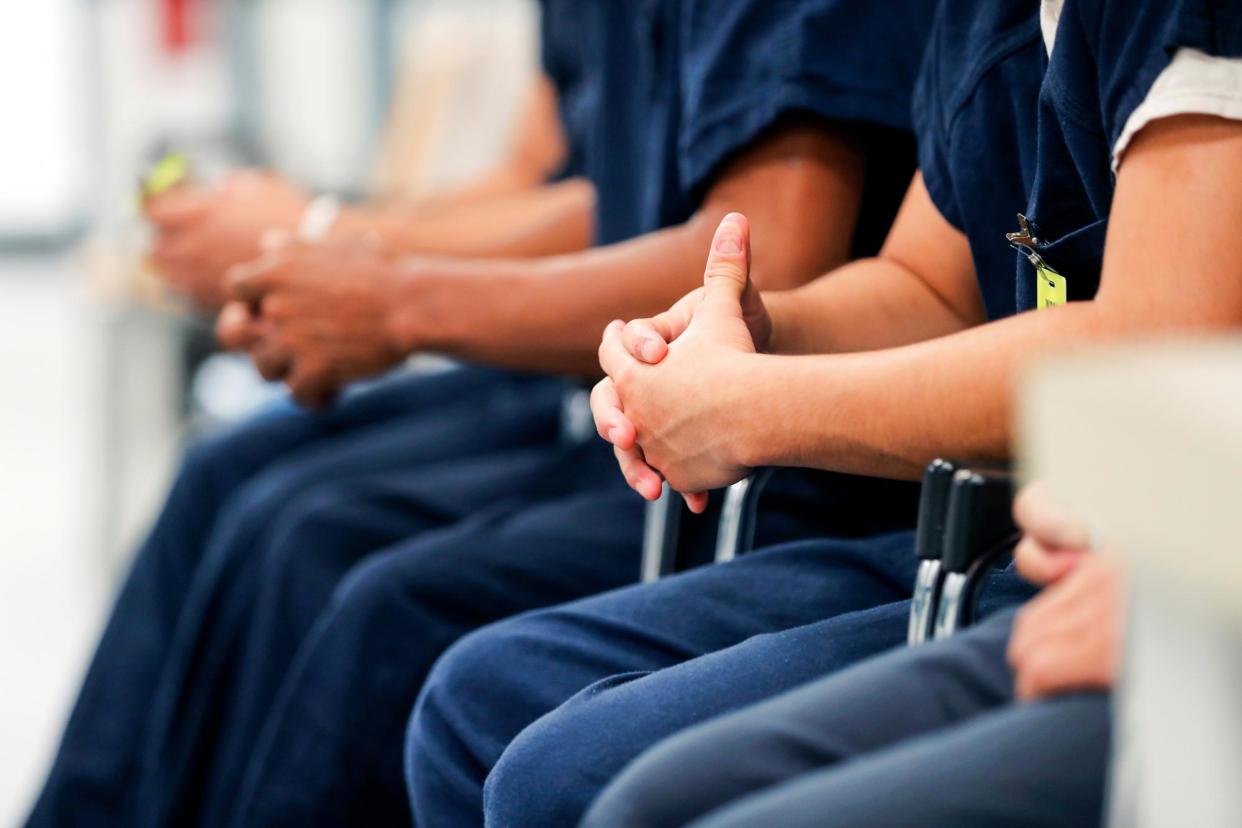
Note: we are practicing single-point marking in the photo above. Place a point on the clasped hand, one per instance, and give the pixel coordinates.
(316, 316)
(1068, 637)
(674, 403)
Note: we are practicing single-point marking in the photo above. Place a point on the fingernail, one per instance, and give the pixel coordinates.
(729, 236)
(649, 350)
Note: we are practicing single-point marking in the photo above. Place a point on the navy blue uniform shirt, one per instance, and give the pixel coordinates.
(1108, 54)
(1004, 129)
(667, 91)
(976, 110)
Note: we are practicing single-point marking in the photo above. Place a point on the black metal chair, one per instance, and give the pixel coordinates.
(965, 530)
(929, 547)
(979, 536)
(663, 545)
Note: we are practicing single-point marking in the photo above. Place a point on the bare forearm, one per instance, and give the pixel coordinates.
(546, 221)
(921, 286)
(864, 306)
(547, 314)
(890, 412)
(800, 187)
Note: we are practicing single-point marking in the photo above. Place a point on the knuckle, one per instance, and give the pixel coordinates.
(625, 374)
(636, 330)
(274, 306)
(1039, 670)
(727, 271)
(268, 370)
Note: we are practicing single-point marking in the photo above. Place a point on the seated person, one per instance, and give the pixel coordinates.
(523, 723)
(233, 489)
(536, 202)
(1006, 724)
(219, 716)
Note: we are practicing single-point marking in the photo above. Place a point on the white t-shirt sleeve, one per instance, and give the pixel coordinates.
(1194, 83)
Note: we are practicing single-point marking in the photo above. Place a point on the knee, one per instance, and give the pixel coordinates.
(210, 467)
(645, 795)
(302, 524)
(369, 586)
(677, 781)
(554, 768)
(546, 775)
(471, 704)
(218, 464)
(449, 698)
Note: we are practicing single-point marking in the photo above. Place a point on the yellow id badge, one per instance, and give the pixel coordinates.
(1050, 289)
(172, 171)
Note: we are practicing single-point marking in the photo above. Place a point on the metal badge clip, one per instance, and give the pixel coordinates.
(1026, 242)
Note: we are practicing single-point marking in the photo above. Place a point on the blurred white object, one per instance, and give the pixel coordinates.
(464, 71)
(316, 89)
(1147, 443)
(227, 388)
(43, 161)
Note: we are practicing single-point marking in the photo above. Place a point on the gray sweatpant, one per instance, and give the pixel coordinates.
(929, 736)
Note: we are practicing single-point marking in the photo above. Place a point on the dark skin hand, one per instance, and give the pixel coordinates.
(321, 317)
(201, 231)
(276, 316)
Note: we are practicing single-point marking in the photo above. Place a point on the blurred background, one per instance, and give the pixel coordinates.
(103, 375)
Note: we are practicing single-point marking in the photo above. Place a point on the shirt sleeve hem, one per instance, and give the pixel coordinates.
(1183, 96)
(730, 129)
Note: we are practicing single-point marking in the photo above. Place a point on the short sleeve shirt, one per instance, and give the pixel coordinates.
(664, 92)
(1107, 57)
(976, 111)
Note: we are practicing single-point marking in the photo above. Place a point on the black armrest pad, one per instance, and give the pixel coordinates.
(980, 515)
(933, 509)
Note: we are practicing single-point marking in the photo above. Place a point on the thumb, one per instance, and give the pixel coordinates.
(728, 265)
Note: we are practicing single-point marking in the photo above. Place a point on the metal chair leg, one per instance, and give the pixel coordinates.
(661, 536)
(736, 535)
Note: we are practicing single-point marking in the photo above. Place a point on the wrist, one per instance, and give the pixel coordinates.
(782, 311)
(757, 431)
(422, 315)
(405, 321)
(357, 224)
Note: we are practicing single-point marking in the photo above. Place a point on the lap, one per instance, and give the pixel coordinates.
(879, 702)
(1021, 765)
(658, 658)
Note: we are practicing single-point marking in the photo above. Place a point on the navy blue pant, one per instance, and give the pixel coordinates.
(626, 669)
(925, 736)
(404, 478)
(225, 496)
(328, 749)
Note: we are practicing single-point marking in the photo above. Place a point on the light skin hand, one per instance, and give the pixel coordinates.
(201, 232)
(317, 317)
(1068, 637)
(1053, 542)
(667, 417)
(863, 403)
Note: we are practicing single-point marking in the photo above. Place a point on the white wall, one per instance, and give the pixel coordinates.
(43, 162)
